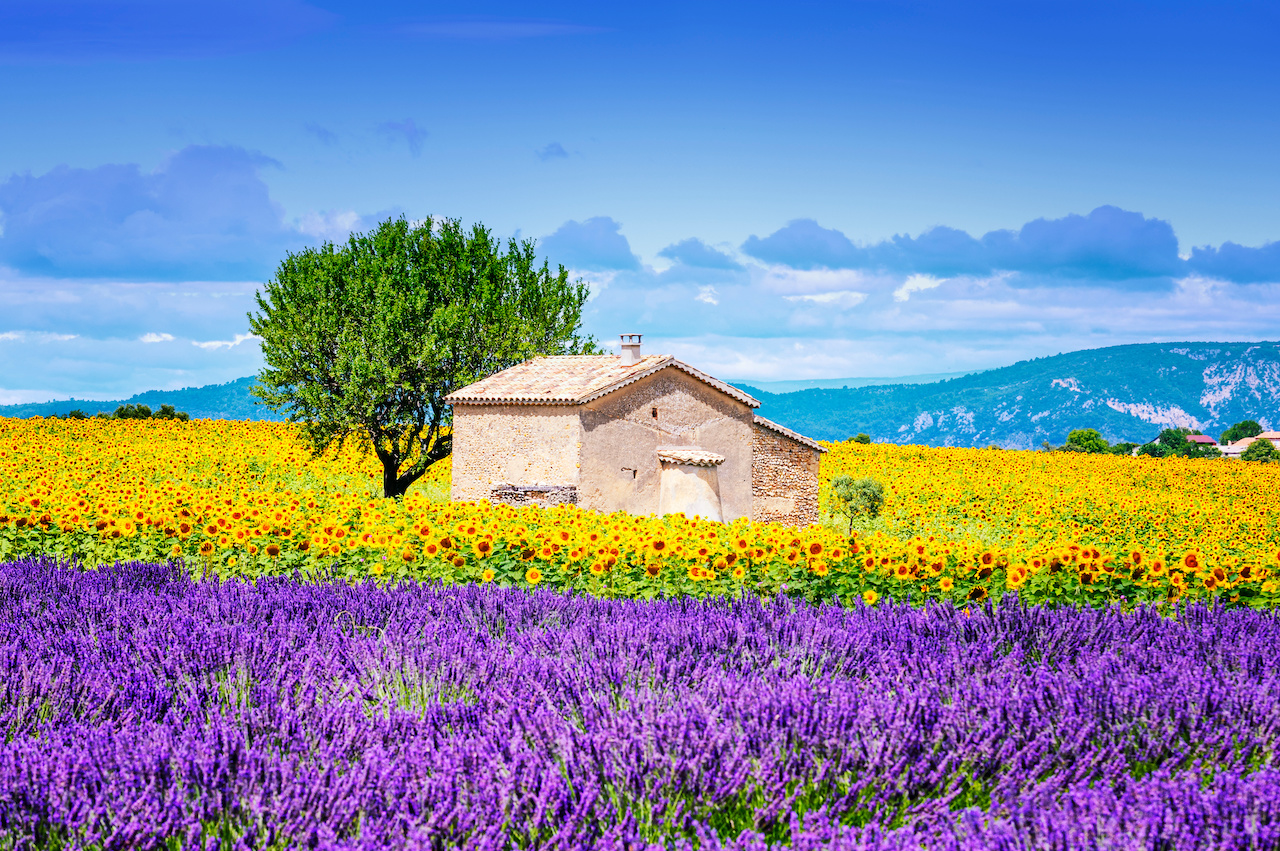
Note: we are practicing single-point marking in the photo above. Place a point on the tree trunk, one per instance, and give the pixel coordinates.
(393, 485)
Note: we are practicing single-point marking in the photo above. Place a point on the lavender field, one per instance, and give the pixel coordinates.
(141, 709)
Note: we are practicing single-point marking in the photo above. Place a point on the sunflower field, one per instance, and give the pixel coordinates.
(242, 500)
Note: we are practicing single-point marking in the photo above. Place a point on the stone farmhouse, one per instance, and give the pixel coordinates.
(647, 434)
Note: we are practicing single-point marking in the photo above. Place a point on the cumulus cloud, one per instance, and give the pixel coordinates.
(1108, 244)
(1238, 263)
(552, 151)
(204, 213)
(152, 337)
(804, 244)
(696, 253)
(594, 245)
(1123, 249)
(408, 130)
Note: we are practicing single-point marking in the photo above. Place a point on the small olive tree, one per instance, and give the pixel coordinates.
(853, 498)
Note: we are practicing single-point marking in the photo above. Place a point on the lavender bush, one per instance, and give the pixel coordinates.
(143, 710)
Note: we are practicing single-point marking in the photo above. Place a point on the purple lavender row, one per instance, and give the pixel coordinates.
(140, 708)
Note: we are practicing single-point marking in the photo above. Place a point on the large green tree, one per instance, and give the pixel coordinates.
(365, 340)
(1087, 440)
(1242, 429)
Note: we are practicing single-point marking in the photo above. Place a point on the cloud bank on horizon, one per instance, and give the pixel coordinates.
(114, 279)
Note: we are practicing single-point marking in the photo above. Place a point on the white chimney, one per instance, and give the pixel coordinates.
(630, 349)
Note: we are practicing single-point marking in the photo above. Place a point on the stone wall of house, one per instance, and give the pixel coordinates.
(622, 431)
(543, 495)
(784, 479)
(513, 445)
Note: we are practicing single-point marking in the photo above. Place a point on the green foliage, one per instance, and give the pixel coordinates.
(1173, 442)
(141, 412)
(853, 498)
(1123, 448)
(862, 437)
(1241, 430)
(1174, 439)
(1087, 440)
(1200, 450)
(1260, 450)
(167, 412)
(364, 341)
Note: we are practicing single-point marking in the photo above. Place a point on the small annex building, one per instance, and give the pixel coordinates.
(647, 434)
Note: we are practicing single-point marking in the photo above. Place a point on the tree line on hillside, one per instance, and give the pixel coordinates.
(1172, 443)
(129, 412)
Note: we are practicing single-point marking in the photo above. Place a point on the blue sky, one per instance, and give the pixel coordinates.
(768, 190)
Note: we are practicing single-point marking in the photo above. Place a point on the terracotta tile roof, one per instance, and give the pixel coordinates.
(575, 380)
(1273, 436)
(689, 455)
(786, 432)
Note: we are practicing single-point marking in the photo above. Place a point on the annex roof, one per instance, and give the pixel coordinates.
(786, 432)
(689, 455)
(1201, 438)
(575, 380)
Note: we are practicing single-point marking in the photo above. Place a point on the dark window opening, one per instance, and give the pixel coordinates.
(655, 413)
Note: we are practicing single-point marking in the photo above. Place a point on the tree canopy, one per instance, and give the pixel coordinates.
(1260, 450)
(1241, 430)
(1087, 440)
(365, 340)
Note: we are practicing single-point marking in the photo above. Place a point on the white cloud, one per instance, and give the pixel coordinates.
(707, 295)
(784, 279)
(210, 345)
(840, 298)
(34, 337)
(153, 337)
(915, 284)
(333, 226)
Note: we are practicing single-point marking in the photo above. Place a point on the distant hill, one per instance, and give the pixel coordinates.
(844, 383)
(230, 401)
(1129, 393)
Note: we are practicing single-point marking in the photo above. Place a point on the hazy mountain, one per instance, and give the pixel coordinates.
(1128, 393)
(843, 383)
(230, 401)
